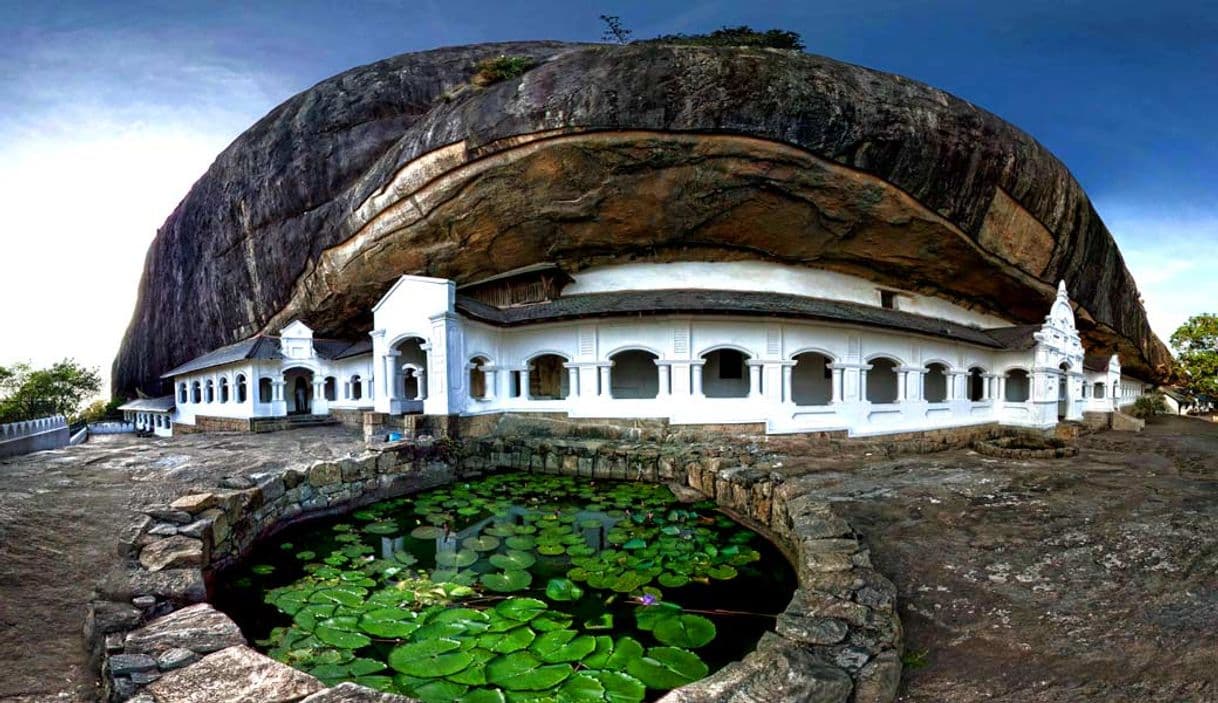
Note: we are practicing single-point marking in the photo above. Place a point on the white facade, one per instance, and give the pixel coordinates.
(792, 375)
(300, 383)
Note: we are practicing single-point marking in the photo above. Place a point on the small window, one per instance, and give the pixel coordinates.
(731, 364)
(888, 299)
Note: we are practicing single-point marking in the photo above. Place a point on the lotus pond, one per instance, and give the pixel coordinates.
(517, 588)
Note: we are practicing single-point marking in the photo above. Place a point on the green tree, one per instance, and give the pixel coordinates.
(736, 36)
(27, 393)
(1196, 347)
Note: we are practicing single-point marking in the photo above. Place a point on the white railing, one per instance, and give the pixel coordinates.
(28, 428)
(111, 427)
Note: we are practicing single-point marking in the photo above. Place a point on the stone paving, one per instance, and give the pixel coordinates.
(1086, 579)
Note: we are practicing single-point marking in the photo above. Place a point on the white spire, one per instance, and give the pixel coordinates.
(1061, 290)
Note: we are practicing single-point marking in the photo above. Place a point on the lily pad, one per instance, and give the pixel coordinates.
(666, 668)
(514, 559)
(430, 658)
(507, 581)
(685, 630)
(523, 671)
(563, 646)
(485, 543)
(563, 590)
(427, 532)
(458, 559)
(520, 609)
(382, 528)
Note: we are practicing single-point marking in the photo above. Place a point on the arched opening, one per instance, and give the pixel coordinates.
(357, 388)
(812, 379)
(1063, 390)
(882, 381)
(976, 384)
(266, 392)
(299, 395)
(1018, 388)
(634, 375)
(547, 377)
(330, 388)
(725, 374)
(183, 397)
(934, 384)
(223, 390)
(411, 380)
(1100, 392)
(477, 377)
(209, 391)
(242, 391)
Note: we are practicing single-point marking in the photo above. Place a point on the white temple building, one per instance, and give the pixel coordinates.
(793, 348)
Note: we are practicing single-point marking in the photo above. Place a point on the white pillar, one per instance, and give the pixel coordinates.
(524, 383)
(835, 393)
(665, 379)
(422, 385)
(754, 380)
(1002, 388)
(319, 388)
(572, 382)
(368, 386)
(391, 375)
(902, 383)
(696, 388)
(606, 391)
(863, 382)
(788, 371)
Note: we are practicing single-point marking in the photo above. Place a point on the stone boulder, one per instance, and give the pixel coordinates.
(234, 675)
(199, 628)
(605, 154)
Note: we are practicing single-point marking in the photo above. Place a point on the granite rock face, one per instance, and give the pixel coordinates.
(605, 154)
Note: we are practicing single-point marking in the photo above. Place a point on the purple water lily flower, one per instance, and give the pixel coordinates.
(648, 599)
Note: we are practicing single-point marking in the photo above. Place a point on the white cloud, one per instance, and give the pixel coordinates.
(1172, 256)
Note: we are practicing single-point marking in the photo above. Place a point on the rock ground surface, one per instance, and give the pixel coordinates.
(1086, 579)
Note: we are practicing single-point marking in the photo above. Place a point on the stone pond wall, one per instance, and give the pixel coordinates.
(156, 639)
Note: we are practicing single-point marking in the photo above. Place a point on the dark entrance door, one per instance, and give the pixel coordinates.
(301, 393)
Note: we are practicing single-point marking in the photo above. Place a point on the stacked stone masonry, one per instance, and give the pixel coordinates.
(155, 638)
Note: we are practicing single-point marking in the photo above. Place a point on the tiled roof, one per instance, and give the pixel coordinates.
(721, 302)
(267, 347)
(1016, 337)
(161, 405)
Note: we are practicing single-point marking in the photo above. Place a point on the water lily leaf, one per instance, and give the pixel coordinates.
(438, 691)
(483, 695)
(551, 620)
(723, 572)
(430, 658)
(563, 646)
(625, 650)
(262, 569)
(514, 559)
(673, 580)
(485, 543)
(520, 609)
(522, 671)
(382, 528)
(620, 687)
(550, 550)
(508, 642)
(603, 622)
(520, 543)
(427, 532)
(363, 666)
(389, 629)
(350, 596)
(507, 581)
(563, 590)
(685, 630)
(458, 559)
(666, 668)
(582, 688)
(341, 638)
(306, 555)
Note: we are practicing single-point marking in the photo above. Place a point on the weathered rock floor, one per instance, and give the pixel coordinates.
(1085, 579)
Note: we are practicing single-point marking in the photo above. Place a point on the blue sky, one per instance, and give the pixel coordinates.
(110, 110)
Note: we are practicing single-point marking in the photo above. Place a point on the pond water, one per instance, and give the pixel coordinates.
(515, 587)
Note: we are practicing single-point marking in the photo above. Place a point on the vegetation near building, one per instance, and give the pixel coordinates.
(736, 36)
(1196, 346)
(27, 393)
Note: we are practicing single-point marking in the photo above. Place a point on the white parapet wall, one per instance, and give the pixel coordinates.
(18, 438)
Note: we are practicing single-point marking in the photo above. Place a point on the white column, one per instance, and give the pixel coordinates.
(839, 376)
(572, 382)
(1002, 388)
(788, 372)
(319, 388)
(863, 382)
(665, 379)
(603, 370)
(902, 385)
(524, 383)
(368, 386)
(754, 380)
(696, 388)
(391, 375)
(277, 390)
(422, 385)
